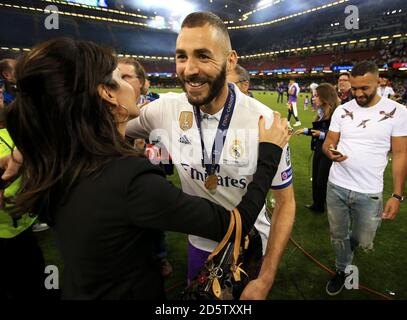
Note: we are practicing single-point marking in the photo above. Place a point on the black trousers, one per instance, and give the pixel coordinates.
(280, 97)
(21, 268)
(320, 172)
(291, 113)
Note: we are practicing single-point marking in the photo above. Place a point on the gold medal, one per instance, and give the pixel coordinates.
(211, 183)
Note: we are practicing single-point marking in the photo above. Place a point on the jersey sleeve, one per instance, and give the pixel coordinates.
(391, 91)
(150, 118)
(284, 175)
(335, 125)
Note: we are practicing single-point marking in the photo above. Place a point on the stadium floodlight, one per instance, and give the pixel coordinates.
(175, 7)
(175, 12)
(264, 3)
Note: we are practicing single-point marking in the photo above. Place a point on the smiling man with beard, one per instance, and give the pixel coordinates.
(363, 130)
(212, 131)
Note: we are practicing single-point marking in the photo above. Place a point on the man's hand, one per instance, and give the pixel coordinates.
(335, 157)
(10, 167)
(255, 290)
(391, 209)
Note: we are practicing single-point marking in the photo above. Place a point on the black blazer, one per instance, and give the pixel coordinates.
(103, 230)
(322, 125)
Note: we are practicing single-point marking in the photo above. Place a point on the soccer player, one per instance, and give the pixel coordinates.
(293, 91)
(210, 132)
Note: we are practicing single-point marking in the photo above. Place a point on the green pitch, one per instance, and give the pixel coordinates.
(383, 269)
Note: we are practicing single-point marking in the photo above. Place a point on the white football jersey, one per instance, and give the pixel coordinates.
(171, 121)
(386, 92)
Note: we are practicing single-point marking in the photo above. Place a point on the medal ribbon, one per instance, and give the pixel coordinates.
(212, 164)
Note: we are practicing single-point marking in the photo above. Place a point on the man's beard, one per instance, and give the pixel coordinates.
(215, 86)
(367, 100)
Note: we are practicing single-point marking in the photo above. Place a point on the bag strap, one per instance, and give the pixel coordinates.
(238, 234)
(226, 238)
(236, 269)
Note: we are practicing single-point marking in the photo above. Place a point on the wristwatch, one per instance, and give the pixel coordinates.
(398, 197)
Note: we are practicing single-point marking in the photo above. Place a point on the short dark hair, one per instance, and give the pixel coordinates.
(361, 68)
(138, 68)
(200, 19)
(344, 74)
(59, 122)
(242, 73)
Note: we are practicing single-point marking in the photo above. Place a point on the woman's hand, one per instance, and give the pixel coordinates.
(315, 133)
(299, 132)
(278, 132)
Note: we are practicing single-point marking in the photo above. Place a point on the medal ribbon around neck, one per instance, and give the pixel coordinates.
(211, 165)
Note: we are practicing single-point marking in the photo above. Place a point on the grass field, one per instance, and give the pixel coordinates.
(383, 269)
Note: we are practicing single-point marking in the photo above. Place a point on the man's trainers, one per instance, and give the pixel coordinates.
(336, 284)
(38, 227)
(298, 123)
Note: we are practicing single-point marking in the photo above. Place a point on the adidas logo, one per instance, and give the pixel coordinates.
(184, 139)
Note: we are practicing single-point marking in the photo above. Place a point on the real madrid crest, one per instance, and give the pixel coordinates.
(185, 120)
(236, 150)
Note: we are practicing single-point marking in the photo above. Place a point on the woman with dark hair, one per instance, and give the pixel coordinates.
(326, 100)
(99, 196)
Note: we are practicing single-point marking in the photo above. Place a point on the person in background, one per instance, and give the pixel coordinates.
(280, 92)
(306, 103)
(293, 92)
(7, 73)
(384, 89)
(240, 77)
(361, 134)
(22, 263)
(147, 94)
(313, 87)
(7, 76)
(134, 74)
(326, 100)
(344, 88)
